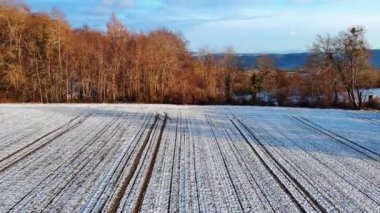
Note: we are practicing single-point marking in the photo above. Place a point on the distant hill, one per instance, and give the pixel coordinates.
(376, 58)
(292, 60)
(282, 61)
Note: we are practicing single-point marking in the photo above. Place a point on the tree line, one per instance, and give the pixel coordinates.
(42, 59)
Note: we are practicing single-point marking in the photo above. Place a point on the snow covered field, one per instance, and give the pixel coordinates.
(125, 158)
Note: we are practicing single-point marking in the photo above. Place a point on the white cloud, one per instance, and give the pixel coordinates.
(118, 3)
(248, 25)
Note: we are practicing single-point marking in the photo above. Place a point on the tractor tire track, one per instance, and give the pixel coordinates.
(301, 125)
(148, 176)
(131, 193)
(173, 163)
(360, 117)
(88, 160)
(207, 195)
(34, 162)
(340, 139)
(97, 202)
(225, 163)
(24, 133)
(56, 133)
(238, 171)
(72, 158)
(115, 202)
(195, 171)
(299, 170)
(310, 199)
(241, 160)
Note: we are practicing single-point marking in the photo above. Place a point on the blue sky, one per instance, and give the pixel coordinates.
(249, 26)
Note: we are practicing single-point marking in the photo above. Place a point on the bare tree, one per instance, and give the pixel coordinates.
(229, 65)
(264, 65)
(348, 54)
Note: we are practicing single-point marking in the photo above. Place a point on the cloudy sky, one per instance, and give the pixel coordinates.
(249, 26)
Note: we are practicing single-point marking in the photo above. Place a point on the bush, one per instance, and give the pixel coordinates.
(374, 103)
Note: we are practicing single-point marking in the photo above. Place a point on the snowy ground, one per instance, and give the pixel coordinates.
(158, 158)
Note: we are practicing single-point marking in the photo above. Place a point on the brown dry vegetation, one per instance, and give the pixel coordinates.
(42, 59)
